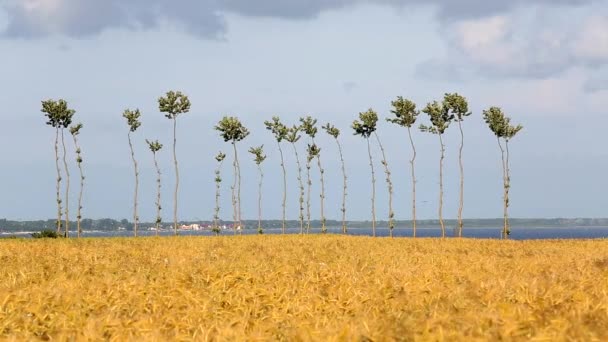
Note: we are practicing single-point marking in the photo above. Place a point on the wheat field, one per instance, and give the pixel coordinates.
(301, 288)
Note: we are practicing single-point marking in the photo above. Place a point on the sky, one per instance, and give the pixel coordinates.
(544, 62)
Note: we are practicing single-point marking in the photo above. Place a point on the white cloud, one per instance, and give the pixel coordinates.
(592, 40)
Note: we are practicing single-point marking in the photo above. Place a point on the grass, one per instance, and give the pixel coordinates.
(303, 288)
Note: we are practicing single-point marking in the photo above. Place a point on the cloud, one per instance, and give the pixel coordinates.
(205, 18)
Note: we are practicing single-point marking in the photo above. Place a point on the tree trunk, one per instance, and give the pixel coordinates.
(505, 227)
(389, 183)
(59, 211)
(260, 199)
(234, 209)
(301, 201)
(79, 161)
(507, 189)
(441, 188)
(371, 164)
(238, 165)
(321, 172)
(460, 207)
(176, 175)
(158, 205)
(135, 216)
(309, 182)
(412, 161)
(284, 187)
(344, 229)
(67, 188)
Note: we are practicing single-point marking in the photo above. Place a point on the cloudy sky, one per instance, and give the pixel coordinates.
(545, 62)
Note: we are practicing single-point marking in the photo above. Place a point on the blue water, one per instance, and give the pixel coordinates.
(480, 233)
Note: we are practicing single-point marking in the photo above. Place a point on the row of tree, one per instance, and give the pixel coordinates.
(452, 108)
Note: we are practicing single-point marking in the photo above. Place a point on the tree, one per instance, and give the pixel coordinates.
(308, 126)
(334, 132)
(389, 184)
(259, 157)
(55, 112)
(293, 137)
(406, 114)
(440, 121)
(66, 121)
(458, 107)
(173, 104)
(75, 131)
(501, 126)
(218, 181)
(154, 147)
(133, 122)
(280, 131)
(232, 130)
(365, 127)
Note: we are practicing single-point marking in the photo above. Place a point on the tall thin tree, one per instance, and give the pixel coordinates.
(54, 111)
(389, 184)
(405, 115)
(334, 132)
(232, 130)
(218, 181)
(365, 127)
(309, 126)
(458, 107)
(258, 158)
(173, 104)
(66, 121)
(440, 121)
(133, 122)
(155, 146)
(293, 137)
(280, 131)
(501, 126)
(75, 131)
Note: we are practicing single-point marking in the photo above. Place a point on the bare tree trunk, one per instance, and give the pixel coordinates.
(67, 188)
(371, 164)
(238, 165)
(158, 205)
(59, 211)
(461, 179)
(389, 183)
(260, 199)
(135, 216)
(503, 234)
(441, 188)
(301, 201)
(235, 215)
(344, 229)
(309, 182)
(79, 161)
(507, 189)
(216, 216)
(412, 161)
(176, 175)
(321, 172)
(284, 187)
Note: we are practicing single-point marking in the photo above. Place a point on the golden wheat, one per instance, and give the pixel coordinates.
(303, 288)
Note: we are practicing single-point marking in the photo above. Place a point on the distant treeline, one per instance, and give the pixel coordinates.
(107, 224)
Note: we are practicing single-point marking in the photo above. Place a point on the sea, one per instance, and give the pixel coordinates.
(475, 233)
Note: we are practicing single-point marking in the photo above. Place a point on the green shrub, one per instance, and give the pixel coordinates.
(47, 233)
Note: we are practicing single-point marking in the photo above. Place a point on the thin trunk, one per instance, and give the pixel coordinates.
(309, 182)
(238, 166)
(79, 161)
(409, 132)
(389, 183)
(441, 188)
(371, 164)
(460, 207)
(301, 201)
(344, 229)
(67, 188)
(216, 217)
(59, 211)
(284, 187)
(321, 172)
(176, 175)
(260, 199)
(135, 216)
(503, 234)
(234, 209)
(158, 206)
(507, 189)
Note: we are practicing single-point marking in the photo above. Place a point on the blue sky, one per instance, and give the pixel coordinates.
(544, 62)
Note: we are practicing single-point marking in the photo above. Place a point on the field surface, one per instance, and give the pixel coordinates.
(303, 288)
